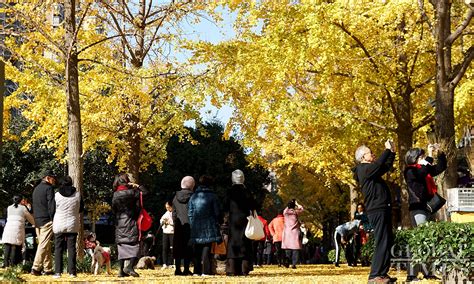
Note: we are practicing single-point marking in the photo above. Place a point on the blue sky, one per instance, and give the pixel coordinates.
(208, 30)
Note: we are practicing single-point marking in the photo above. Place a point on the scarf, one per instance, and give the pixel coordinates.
(121, 187)
(430, 183)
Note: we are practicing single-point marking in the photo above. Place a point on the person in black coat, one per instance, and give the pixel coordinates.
(377, 199)
(43, 210)
(419, 174)
(182, 249)
(239, 204)
(126, 207)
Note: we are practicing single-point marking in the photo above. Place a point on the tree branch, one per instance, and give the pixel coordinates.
(425, 82)
(37, 27)
(359, 43)
(125, 71)
(124, 38)
(426, 120)
(421, 5)
(468, 57)
(378, 125)
(457, 33)
(80, 22)
(98, 42)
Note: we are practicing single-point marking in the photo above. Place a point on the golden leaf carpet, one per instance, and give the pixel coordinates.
(267, 274)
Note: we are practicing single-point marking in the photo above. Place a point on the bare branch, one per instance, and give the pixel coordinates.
(80, 22)
(98, 42)
(152, 40)
(462, 68)
(425, 121)
(124, 38)
(457, 33)
(391, 129)
(425, 82)
(125, 7)
(133, 74)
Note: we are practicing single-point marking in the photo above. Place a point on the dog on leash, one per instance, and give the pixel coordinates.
(100, 258)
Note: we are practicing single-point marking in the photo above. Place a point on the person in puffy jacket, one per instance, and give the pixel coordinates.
(276, 227)
(182, 250)
(419, 173)
(14, 232)
(66, 223)
(167, 227)
(291, 234)
(126, 207)
(204, 214)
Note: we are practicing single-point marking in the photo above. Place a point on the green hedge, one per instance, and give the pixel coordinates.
(439, 243)
(332, 256)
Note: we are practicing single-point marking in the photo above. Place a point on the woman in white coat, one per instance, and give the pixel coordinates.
(66, 220)
(14, 231)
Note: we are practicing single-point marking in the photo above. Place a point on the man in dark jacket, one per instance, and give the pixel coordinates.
(43, 211)
(377, 198)
(182, 231)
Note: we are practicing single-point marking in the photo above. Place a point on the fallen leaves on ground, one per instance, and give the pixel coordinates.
(267, 274)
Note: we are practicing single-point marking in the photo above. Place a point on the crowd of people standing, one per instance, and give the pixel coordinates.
(192, 226)
(196, 220)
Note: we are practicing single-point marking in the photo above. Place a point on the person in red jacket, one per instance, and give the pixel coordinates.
(258, 246)
(276, 227)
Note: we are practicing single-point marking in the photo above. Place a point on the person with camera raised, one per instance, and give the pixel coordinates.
(377, 199)
(419, 173)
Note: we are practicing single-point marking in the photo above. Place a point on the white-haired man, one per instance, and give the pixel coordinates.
(377, 199)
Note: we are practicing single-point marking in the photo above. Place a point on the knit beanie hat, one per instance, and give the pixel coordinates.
(187, 182)
(238, 177)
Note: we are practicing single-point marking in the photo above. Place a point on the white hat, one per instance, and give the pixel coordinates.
(238, 177)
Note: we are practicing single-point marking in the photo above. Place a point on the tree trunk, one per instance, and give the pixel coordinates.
(405, 142)
(75, 162)
(444, 117)
(134, 141)
(444, 113)
(2, 94)
(354, 196)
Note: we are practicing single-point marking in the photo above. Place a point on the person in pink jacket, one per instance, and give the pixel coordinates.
(276, 228)
(291, 241)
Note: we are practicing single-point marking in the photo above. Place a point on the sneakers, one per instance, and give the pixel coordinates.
(293, 266)
(35, 272)
(164, 267)
(57, 275)
(72, 275)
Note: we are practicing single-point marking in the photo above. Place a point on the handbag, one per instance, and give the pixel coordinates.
(435, 203)
(254, 229)
(144, 219)
(220, 248)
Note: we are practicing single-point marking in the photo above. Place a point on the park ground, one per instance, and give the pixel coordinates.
(268, 274)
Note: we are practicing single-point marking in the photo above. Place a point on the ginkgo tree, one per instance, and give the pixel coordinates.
(312, 81)
(125, 97)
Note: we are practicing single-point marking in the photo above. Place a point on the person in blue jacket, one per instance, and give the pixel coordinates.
(204, 213)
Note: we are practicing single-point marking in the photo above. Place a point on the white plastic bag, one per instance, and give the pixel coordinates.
(254, 229)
